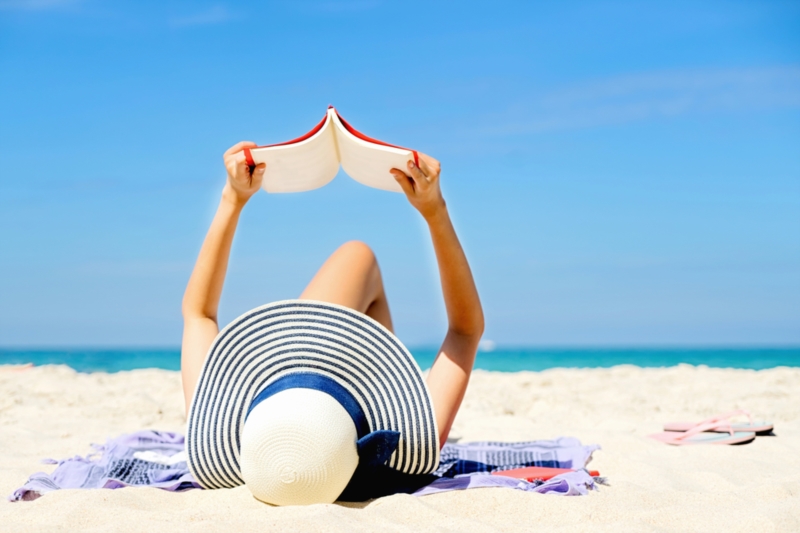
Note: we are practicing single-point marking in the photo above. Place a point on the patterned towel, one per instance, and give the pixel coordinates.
(469, 466)
(145, 458)
(157, 459)
(472, 457)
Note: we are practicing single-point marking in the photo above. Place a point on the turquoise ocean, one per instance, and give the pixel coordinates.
(500, 359)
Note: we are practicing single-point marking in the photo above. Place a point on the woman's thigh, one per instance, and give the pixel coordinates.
(351, 277)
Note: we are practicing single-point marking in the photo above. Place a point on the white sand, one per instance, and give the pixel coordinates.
(55, 412)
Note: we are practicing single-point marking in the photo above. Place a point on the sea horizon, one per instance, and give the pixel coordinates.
(495, 358)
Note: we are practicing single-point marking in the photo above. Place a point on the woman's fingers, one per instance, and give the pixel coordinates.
(240, 170)
(237, 165)
(404, 181)
(429, 166)
(416, 180)
(421, 185)
(238, 147)
(258, 174)
(237, 158)
(243, 180)
(421, 181)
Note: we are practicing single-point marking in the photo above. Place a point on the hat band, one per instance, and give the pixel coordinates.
(307, 380)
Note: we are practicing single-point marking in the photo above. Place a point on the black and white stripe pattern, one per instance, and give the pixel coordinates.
(291, 336)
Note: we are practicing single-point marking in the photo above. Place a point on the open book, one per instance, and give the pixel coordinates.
(311, 161)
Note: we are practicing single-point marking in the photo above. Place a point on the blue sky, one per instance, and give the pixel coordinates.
(620, 173)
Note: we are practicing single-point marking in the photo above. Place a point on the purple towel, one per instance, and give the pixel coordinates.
(157, 459)
(475, 457)
(469, 466)
(145, 458)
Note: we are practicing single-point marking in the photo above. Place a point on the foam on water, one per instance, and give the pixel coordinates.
(499, 358)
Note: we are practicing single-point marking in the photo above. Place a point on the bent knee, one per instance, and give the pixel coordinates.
(358, 250)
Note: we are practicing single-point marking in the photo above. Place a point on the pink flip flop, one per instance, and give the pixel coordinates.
(759, 427)
(710, 433)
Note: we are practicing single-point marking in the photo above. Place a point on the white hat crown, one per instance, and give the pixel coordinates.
(298, 448)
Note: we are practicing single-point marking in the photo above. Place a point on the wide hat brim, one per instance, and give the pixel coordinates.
(306, 336)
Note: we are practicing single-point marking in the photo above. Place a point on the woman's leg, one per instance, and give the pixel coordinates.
(351, 277)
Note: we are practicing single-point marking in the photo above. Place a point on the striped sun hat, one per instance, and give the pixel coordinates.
(295, 395)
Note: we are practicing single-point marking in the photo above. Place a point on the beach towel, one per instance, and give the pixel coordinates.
(145, 458)
(469, 465)
(158, 459)
(475, 457)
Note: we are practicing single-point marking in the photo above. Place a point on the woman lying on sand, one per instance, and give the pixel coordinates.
(304, 399)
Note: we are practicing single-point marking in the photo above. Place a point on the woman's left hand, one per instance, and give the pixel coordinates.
(242, 182)
(421, 185)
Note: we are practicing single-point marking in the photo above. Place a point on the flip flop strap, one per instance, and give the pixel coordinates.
(700, 428)
(726, 417)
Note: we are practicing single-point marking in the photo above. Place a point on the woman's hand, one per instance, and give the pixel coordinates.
(242, 184)
(421, 185)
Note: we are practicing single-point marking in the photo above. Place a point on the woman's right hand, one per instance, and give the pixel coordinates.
(242, 184)
(421, 185)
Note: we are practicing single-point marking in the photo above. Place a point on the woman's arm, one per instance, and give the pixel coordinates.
(201, 299)
(449, 375)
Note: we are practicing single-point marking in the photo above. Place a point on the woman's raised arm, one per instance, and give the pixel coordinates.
(201, 299)
(449, 375)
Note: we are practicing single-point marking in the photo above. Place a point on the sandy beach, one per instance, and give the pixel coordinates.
(54, 412)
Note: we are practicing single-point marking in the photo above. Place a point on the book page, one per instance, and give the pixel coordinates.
(367, 162)
(302, 166)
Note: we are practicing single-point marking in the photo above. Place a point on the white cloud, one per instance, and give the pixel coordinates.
(35, 5)
(336, 6)
(352, 5)
(213, 15)
(656, 95)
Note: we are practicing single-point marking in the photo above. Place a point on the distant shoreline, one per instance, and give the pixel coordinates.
(503, 359)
